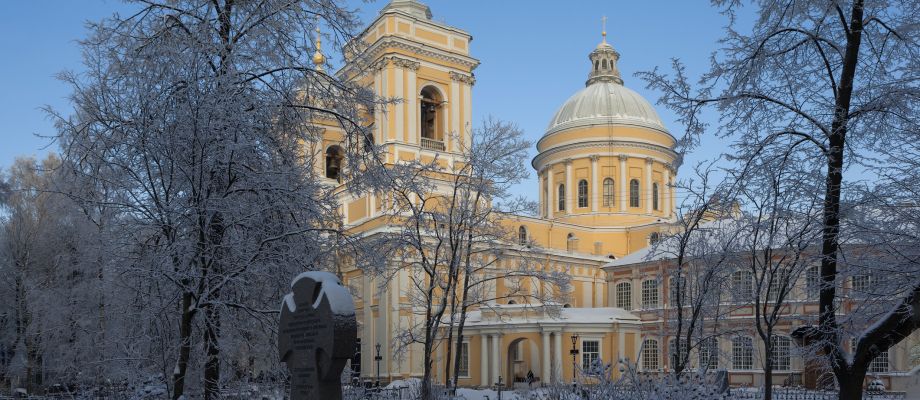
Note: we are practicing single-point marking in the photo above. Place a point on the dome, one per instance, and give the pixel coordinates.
(604, 100)
(605, 103)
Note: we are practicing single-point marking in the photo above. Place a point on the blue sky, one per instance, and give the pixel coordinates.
(533, 54)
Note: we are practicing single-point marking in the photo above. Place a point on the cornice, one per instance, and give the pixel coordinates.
(463, 78)
(540, 158)
(379, 48)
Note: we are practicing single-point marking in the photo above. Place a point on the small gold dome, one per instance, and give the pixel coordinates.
(319, 58)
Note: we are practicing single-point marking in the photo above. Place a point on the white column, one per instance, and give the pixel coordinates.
(544, 359)
(496, 358)
(648, 185)
(550, 192)
(402, 134)
(594, 189)
(624, 185)
(621, 342)
(540, 189)
(667, 191)
(412, 106)
(466, 113)
(569, 198)
(484, 360)
(557, 363)
(372, 205)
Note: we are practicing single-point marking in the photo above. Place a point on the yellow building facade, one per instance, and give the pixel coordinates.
(605, 171)
(605, 166)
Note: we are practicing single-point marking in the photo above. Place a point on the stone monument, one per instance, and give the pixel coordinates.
(317, 335)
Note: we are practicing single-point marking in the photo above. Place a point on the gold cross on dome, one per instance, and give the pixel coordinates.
(604, 28)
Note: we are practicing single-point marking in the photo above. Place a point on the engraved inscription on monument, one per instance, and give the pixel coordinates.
(317, 335)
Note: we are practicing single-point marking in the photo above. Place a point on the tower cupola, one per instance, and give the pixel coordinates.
(604, 62)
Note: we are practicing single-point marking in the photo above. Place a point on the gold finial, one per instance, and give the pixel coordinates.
(604, 28)
(318, 58)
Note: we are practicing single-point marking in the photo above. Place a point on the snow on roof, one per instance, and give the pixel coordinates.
(500, 314)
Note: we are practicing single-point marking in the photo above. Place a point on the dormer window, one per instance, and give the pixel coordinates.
(431, 119)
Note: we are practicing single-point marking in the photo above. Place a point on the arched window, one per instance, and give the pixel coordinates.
(522, 235)
(880, 363)
(634, 193)
(653, 238)
(782, 352)
(608, 192)
(624, 295)
(655, 196)
(650, 355)
(566, 305)
(604, 64)
(430, 112)
(334, 156)
(742, 285)
(582, 193)
(511, 302)
(650, 293)
(596, 64)
(742, 353)
(709, 353)
(561, 197)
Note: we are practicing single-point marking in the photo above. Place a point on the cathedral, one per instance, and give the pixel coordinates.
(605, 169)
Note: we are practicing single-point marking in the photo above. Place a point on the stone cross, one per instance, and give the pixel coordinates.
(317, 335)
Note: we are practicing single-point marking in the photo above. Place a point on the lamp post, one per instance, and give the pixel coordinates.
(574, 353)
(378, 358)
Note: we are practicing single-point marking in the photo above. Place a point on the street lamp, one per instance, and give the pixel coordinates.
(378, 358)
(574, 353)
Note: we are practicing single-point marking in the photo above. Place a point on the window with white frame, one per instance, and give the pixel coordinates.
(742, 285)
(624, 295)
(678, 288)
(608, 192)
(742, 353)
(676, 353)
(464, 368)
(561, 197)
(878, 364)
(812, 282)
(650, 355)
(782, 352)
(582, 193)
(779, 281)
(861, 285)
(650, 293)
(634, 193)
(709, 353)
(590, 352)
(522, 235)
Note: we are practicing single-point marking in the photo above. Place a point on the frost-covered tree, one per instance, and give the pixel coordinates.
(836, 84)
(454, 242)
(194, 116)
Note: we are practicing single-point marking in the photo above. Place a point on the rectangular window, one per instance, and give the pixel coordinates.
(650, 355)
(709, 353)
(861, 285)
(812, 283)
(464, 369)
(650, 293)
(590, 353)
(624, 295)
(742, 353)
(782, 357)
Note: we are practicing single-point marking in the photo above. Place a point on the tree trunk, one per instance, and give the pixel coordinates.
(212, 349)
(851, 385)
(768, 374)
(185, 346)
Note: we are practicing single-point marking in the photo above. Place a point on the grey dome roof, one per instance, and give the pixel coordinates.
(605, 103)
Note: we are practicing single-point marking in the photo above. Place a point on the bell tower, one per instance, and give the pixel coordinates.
(424, 67)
